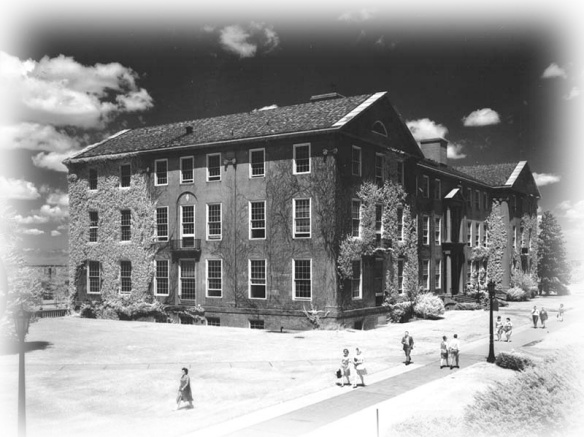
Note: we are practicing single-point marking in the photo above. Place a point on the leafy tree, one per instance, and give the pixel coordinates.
(552, 268)
(496, 244)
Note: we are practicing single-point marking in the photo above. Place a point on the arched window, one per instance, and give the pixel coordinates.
(379, 128)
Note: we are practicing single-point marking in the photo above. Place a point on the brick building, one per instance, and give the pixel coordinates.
(244, 214)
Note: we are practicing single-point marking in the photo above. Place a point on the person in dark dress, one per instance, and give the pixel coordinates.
(184, 389)
(408, 344)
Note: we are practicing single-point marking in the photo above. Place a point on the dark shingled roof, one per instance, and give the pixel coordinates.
(451, 171)
(493, 174)
(313, 116)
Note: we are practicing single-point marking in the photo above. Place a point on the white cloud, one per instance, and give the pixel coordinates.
(357, 16)
(574, 92)
(454, 151)
(572, 211)
(542, 179)
(481, 117)
(58, 198)
(51, 160)
(33, 136)
(54, 213)
(31, 220)
(245, 41)
(31, 231)
(62, 92)
(18, 189)
(55, 233)
(425, 128)
(553, 71)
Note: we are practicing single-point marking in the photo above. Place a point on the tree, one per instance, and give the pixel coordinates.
(496, 244)
(552, 267)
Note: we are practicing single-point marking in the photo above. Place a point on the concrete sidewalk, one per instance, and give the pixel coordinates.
(313, 414)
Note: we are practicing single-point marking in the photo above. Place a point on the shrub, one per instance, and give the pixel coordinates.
(87, 311)
(428, 306)
(516, 294)
(524, 281)
(400, 312)
(513, 361)
(477, 294)
(464, 306)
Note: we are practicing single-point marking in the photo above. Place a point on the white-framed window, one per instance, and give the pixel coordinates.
(426, 230)
(161, 172)
(302, 279)
(301, 218)
(162, 223)
(437, 189)
(125, 175)
(125, 225)
(187, 225)
(356, 161)
(400, 224)
(379, 128)
(438, 274)
(257, 163)
(92, 179)
(477, 234)
(93, 277)
(356, 218)
(425, 186)
(426, 274)
(125, 277)
(356, 280)
(214, 225)
(213, 167)
(485, 239)
(400, 173)
(438, 230)
(257, 220)
(378, 224)
(214, 278)
(186, 274)
(469, 233)
(257, 279)
(400, 275)
(187, 169)
(93, 226)
(301, 158)
(379, 166)
(161, 278)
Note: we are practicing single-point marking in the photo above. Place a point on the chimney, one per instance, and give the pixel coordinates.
(435, 150)
(189, 130)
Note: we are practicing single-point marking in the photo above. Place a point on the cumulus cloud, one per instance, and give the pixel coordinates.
(52, 160)
(454, 151)
(357, 16)
(574, 92)
(18, 189)
(55, 233)
(60, 91)
(33, 231)
(425, 128)
(572, 211)
(542, 179)
(553, 71)
(246, 41)
(34, 136)
(58, 198)
(54, 213)
(481, 117)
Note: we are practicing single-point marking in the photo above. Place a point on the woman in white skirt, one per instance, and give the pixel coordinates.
(360, 368)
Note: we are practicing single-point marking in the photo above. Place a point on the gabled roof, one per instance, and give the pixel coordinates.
(319, 115)
(495, 175)
(452, 171)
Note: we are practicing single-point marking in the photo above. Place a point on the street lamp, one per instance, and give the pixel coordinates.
(491, 289)
(21, 322)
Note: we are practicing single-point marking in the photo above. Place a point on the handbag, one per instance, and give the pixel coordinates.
(339, 373)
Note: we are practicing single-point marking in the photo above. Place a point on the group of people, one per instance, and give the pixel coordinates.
(503, 329)
(357, 362)
(540, 315)
(449, 351)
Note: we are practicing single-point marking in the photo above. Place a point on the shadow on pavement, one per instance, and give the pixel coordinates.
(13, 347)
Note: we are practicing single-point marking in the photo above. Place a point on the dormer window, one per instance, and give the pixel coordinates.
(379, 128)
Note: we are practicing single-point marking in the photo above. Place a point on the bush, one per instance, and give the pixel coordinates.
(477, 294)
(524, 281)
(464, 306)
(428, 306)
(400, 312)
(87, 311)
(516, 294)
(513, 361)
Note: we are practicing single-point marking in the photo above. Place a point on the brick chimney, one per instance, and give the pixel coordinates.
(435, 149)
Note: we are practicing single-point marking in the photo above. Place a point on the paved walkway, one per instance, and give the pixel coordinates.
(337, 403)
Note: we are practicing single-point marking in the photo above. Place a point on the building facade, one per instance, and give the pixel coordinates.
(245, 214)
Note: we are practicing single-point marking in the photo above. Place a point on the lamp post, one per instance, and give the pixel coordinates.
(491, 289)
(21, 322)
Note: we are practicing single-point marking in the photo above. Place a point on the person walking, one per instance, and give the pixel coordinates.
(534, 316)
(360, 368)
(508, 329)
(345, 368)
(560, 315)
(408, 344)
(454, 349)
(543, 316)
(499, 328)
(444, 352)
(184, 389)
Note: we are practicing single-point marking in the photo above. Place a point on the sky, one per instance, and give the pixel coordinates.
(498, 86)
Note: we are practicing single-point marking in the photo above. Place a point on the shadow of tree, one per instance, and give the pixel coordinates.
(13, 347)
